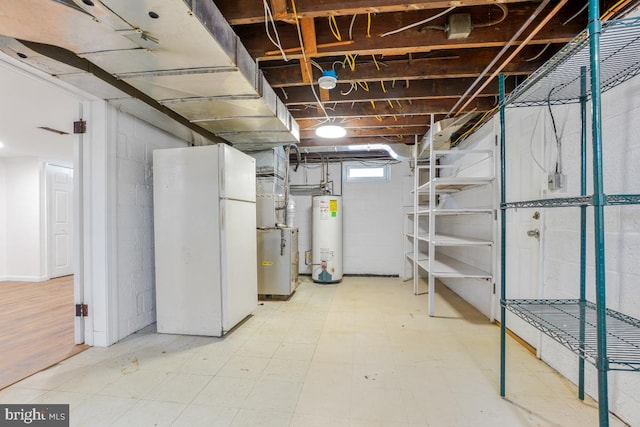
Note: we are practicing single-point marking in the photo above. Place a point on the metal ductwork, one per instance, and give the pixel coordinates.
(179, 57)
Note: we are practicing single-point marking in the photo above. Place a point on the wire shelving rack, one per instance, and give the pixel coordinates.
(609, 54)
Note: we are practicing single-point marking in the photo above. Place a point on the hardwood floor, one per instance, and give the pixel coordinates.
(36, 327)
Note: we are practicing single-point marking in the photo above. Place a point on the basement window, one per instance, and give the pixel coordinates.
(366, 173)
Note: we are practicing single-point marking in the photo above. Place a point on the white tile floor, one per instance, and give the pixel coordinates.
(361, 353)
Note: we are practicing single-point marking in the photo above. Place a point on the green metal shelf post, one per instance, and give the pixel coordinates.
(503, 231)
(599, 200)
(606, 338)
(583, 224)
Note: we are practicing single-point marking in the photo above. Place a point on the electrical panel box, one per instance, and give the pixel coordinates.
(557, 182)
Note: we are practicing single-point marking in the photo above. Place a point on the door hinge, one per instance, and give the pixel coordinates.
(82, 310)
(80, 127)
(494, 288)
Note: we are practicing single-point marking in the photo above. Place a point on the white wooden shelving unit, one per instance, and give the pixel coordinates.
(434, 186)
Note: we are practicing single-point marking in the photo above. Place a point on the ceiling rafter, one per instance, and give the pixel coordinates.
(380, 91)
(456, 64)
(243, 12)
(410, 41)
(411, 75)
(415, 107)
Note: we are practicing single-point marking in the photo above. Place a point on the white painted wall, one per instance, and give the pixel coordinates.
(621, 156)
(135, 141)
(3, 220)
(560, 229)
(474, 226)
(25, 239)
(118, 232)
(372, 219)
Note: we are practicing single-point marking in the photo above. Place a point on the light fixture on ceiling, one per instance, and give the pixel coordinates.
(328, 80)
(331, 131)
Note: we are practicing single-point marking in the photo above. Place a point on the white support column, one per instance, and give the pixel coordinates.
(98, 206)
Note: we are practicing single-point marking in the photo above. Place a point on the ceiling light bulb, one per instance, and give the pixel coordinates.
(331, 131)
(328, 80)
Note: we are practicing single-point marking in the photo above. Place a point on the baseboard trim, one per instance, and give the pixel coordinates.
(25, 278)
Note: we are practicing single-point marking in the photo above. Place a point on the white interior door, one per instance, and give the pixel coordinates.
(525, 181)
(60, 220)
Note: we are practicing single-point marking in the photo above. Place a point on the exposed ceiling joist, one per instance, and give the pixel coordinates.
(243, 12)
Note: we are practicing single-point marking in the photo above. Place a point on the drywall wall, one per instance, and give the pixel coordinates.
(25, 238)
(372, 218)
(3, 221)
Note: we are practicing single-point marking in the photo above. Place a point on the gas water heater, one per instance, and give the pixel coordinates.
(326, 239)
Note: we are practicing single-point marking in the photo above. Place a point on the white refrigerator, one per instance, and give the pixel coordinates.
(205, 239)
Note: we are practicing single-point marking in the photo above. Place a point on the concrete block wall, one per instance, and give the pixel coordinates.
(135, 141)
(479, 292)
(372, 232)
(621, 158)
(530, 130)
(372, 220)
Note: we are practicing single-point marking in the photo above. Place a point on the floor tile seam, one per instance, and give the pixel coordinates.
(115, 422)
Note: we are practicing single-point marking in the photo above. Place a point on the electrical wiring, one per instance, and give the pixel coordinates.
(375, 62)
(333, 26)
(333, 66)
(415, 24)
(315, 64)
(613, 9)
(351, 89)
(505, 12)
(470, 130)
(555, 134)
(369, 24)
(574, 16)
(433, 27)
(268, 17)
(351, 60)
(539, 53)
(535, 126)
(304, 55)
(353, 20)
(384, 89)
(364, 85)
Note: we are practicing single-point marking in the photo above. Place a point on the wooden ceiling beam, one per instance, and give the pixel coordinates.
(380, 91)
(373, 122)
(456, 65)
(356, 133)
(243, 12)
(382, 109)
(323, 142)
(413, 40)
(308, 30)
